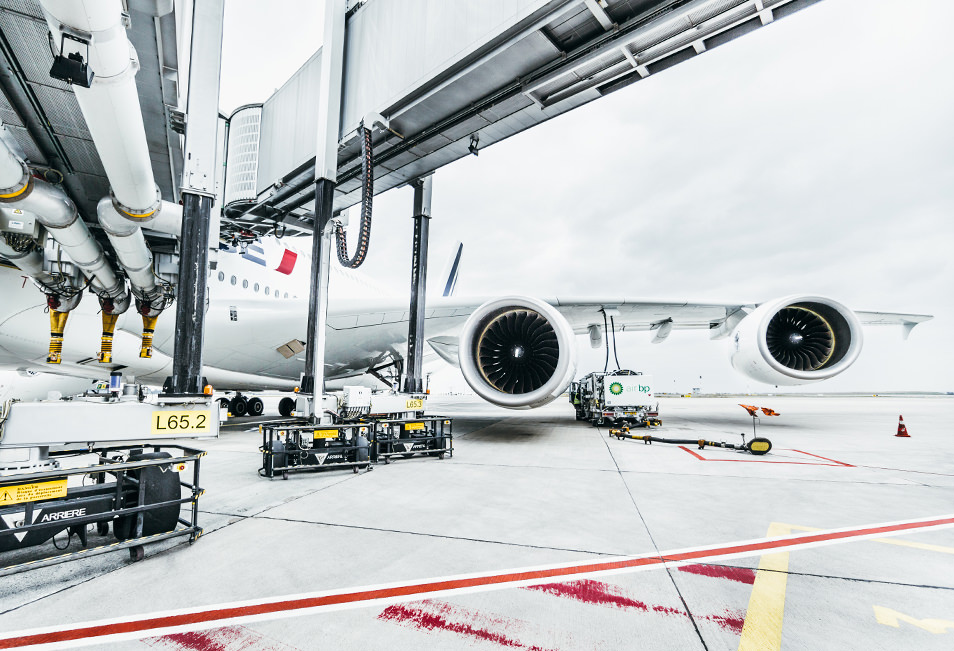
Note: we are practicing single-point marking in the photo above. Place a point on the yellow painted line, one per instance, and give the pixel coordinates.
(762, 630)
(886, 541)
(916, 545)
(890, 617)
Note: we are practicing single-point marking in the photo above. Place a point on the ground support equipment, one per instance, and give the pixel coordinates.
(140, 491)
(295, 447)
(757, 446)
(620, 398)
(430, 436)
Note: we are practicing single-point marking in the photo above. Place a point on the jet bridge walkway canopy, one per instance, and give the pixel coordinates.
(451, 76)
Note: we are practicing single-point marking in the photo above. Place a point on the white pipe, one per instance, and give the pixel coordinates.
(111, 105)
(130, 247)
(57, 213)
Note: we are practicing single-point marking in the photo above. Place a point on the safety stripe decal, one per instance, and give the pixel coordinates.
(296, 605)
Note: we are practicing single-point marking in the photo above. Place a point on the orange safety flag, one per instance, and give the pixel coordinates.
(769, 412)
(749, 408)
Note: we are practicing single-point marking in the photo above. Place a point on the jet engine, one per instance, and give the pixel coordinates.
(796, 340)
(517, 352)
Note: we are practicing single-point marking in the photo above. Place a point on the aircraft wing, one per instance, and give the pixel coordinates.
(445, 318)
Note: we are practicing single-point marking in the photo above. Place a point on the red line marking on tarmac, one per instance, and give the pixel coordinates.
(840, 463)
(833, 464)
(696, 455)
(228, 638)
(740, 574)
(432, 615)
(604, 594)
(213, 616)
(599, 593)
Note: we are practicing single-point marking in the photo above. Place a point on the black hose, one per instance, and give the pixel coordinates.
(613, 324)
(367, 192)
(605, 341)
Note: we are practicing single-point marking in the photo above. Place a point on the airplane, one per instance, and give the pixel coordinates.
(514, 351)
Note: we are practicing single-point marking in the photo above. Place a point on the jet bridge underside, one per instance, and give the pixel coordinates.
(455, 77)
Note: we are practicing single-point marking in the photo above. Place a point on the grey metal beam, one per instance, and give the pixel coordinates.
(326, 171)
(414, 379)
(198, 195)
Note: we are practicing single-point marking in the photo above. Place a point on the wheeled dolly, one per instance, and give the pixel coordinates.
(430, 436)
(140, 491)
(295, 447)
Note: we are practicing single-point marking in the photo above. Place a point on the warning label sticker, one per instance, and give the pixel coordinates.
(326, 433)
(412, 427)
(32, 492)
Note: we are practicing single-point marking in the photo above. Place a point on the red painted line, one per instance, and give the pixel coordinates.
(433, 615)
(604, 594)
(740, 574)
(833, 463)
(288, 262)
(840, 463)
(697, 456)
(202, 618)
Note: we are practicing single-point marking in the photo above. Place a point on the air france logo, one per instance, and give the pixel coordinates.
(616, 388)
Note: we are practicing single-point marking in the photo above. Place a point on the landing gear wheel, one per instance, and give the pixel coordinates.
(256, 407)
(136, 553)
(238, 406)
(285, 407)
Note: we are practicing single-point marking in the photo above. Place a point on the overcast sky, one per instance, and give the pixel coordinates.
(815, 155)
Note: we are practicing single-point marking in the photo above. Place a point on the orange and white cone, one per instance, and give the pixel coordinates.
(902, 430)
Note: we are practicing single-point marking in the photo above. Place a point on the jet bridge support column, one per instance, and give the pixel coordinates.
(414, 380)
(198, 194)
(326, 174)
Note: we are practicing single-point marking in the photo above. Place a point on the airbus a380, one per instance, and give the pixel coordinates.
(517, 352)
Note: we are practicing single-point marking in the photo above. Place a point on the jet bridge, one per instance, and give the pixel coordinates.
(454, 78)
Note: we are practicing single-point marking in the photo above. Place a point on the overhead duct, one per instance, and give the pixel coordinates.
(54, 210)
(114, 118)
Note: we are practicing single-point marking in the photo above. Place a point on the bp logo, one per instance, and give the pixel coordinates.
(616, 388)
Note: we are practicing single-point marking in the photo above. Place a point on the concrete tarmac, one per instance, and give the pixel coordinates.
(538, 489)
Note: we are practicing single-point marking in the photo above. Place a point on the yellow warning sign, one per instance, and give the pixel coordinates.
(326, 433)
(410, 427)
(46, 490)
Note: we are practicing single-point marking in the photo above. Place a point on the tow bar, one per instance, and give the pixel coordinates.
(757, 446)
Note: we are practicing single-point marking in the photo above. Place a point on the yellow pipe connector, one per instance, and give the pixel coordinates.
(148, 330)
(57, 326)
(106, 346)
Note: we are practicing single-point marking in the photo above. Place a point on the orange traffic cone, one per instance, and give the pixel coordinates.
(902, 430)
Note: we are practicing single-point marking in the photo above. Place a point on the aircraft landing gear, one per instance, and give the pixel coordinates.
(286, 406)
(256, 407)
(238, 406)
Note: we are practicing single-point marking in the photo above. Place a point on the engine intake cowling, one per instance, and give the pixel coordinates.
(796, 340)
(517, 352)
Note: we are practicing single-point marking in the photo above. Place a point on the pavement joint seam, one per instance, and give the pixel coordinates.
(668, 569)
(850, 578)
(431, 535)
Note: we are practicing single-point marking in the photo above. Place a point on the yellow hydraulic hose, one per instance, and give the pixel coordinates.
(106, 346)
(57, 326)
(148, 329)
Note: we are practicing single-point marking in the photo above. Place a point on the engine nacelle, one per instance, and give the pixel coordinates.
(796, 340)
(517, 352)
